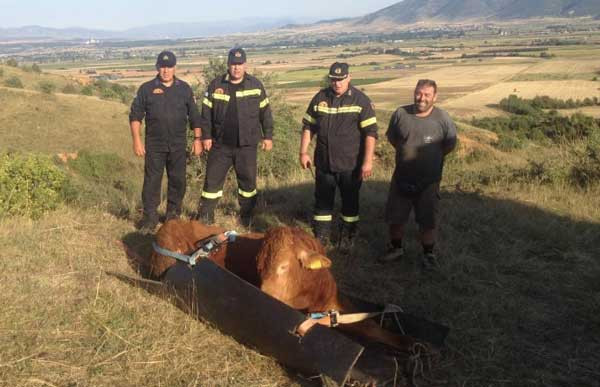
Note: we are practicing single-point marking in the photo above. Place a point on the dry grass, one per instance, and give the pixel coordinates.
(65, 322)
(517, 283)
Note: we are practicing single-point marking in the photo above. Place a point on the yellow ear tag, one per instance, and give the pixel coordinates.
(315, 265)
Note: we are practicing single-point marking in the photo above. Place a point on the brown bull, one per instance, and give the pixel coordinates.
(287, 263)
(293, 269)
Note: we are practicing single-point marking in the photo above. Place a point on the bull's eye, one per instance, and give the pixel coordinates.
(283, 268)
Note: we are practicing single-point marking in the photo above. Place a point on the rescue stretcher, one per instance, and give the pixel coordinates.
(255, 319)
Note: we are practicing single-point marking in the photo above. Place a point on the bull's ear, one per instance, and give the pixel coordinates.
(313, 261)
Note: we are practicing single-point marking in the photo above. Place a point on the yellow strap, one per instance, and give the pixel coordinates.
(370, 121)
(323, 218)
(247, 194)
(264, 103)
(248, 93)
(309, 118)
(212, 195)
(340, 110)
(222, 97)
(207, 102)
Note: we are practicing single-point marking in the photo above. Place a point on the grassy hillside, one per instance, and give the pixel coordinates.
(517, 284)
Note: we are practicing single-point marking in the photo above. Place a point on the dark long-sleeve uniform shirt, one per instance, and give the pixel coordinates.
(167, 111)
(253, 110)
(341, 125)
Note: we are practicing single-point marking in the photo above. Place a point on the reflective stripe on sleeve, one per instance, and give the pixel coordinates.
(207, 102)
(247, 194)
(212, 195)
(323, 218)
(309, 118)
(370, 121)
(264, 103)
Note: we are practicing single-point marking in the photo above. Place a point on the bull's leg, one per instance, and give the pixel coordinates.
(369, 329)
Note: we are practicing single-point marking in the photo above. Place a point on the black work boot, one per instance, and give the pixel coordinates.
(148, 223)
(246, 209)
(322, 231)
(172, 214)
(347, 235)
(206, 211)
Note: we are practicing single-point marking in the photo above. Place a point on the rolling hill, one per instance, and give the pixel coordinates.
(412, 11)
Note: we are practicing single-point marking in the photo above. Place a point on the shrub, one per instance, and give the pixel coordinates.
(35, 68)
(46, 87)
(14, 81)
(69, 89)
(586, 170)
(29, 185)
(87, 90)
(1, 72)
(12, 62)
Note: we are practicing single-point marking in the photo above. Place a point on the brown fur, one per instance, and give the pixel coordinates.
(283, 276)
(181, 236)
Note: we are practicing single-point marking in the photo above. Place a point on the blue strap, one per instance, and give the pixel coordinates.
(202, 252)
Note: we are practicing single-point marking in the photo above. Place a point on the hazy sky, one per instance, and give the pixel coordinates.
(123, 14)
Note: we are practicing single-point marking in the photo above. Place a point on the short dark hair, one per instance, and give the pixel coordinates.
(427, 82)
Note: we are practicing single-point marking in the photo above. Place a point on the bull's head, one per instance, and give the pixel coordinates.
(291, 266)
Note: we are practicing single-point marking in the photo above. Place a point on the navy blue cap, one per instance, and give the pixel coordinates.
(236, 56)
(166, 59)
(338, 71)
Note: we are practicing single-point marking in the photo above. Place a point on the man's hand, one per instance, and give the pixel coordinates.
(207, 144)
(138, 148)
(366, 170)
(266, 145)
(197, 147)
(305, 160)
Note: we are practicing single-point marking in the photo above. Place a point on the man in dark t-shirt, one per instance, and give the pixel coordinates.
(422, 135)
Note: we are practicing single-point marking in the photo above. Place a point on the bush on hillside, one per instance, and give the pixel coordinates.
(12, 62)
(69, 89)
(586, 170)
(29, 185)
(35, 68)
(1, 72)
(87, 90)
(14, 82)
(47, 87)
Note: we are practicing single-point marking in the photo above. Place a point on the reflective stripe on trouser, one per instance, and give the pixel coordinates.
(349, 185)
(220, 159)
(155, 163)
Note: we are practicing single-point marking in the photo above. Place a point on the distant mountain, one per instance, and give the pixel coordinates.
(157, 31)
(412, 11)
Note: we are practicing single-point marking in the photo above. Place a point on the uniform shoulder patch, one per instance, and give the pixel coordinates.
(323, 104)
(219, 91)
(158, 90)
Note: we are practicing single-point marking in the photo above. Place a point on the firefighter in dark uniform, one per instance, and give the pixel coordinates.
(343, 119)
(237, 116)
(167, 104)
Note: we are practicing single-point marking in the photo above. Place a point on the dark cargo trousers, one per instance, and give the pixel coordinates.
(220, 159)
(326, 183)
(155, 163)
